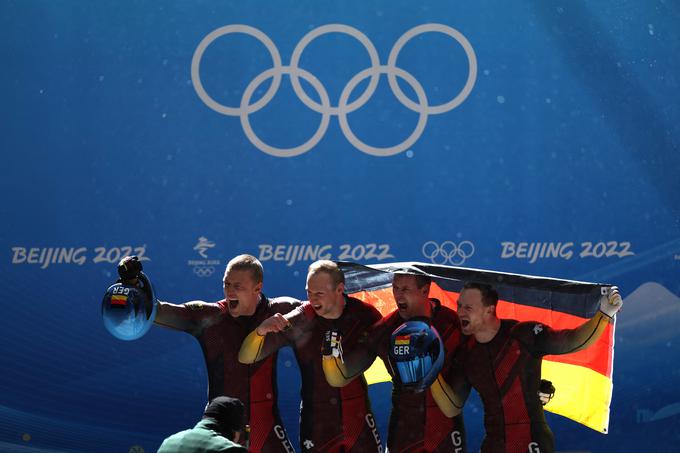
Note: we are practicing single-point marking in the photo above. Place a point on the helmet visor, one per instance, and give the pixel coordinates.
(414, 370)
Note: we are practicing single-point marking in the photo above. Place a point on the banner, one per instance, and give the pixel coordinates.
(532, 138)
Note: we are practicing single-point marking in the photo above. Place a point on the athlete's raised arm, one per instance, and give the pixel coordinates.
(548, 341)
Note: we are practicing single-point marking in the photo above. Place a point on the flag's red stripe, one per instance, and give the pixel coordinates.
(382, 299)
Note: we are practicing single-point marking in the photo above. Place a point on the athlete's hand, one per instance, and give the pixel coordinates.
(546, 391)
(275, 323)
(611, 302)
(332, 344)
(129, 268)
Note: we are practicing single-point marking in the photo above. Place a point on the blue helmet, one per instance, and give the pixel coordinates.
(129, 310)
(416, 354)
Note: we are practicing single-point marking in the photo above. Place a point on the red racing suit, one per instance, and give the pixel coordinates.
(335, 420)
(416, 422)
(506, 372)
(220, 336)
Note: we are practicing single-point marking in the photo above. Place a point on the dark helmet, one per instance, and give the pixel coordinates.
(416, 354)
(129, 310)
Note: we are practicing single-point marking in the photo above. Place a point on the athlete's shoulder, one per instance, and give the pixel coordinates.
(390, 321)
(445, 320)
(284, 300)
(444, 312)
(526, 331)
(302, 311)
(384, 324)
(282, 304)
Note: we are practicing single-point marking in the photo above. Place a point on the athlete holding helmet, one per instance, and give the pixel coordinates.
(413, 355)
(220, 329)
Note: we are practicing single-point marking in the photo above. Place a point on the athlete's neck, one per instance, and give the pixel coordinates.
(338, 309)
(252, 308)
(488, 331)
(421, 310)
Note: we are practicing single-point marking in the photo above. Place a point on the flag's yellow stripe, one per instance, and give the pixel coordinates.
(377, 373)
(581, 394)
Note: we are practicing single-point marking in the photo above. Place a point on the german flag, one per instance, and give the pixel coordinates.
(583, 379)
(402, 340)
(119, 300)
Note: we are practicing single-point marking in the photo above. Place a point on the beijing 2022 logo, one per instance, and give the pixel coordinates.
(343, 107)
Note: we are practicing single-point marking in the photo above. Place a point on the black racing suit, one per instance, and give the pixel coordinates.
(416, 422)
(220, 336)
(336, 420)
(506, 372)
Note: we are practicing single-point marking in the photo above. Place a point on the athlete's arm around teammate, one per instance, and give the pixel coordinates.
(481, 323)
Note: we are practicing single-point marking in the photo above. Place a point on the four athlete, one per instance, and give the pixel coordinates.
(336, 338)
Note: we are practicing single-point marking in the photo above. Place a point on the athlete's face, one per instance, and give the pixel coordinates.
(242, 292)
(472, 313)
(325, 296)
(411, 300)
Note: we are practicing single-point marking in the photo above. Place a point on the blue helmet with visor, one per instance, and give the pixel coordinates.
(416, 354)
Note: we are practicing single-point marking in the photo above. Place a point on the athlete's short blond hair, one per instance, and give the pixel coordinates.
(246, 263)
(329, 267)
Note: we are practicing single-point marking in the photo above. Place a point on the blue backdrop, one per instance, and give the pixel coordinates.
(536, 137)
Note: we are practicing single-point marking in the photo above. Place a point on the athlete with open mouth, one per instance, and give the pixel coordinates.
(332, 420)
(220, 328)
(416, 423)
(241, 292)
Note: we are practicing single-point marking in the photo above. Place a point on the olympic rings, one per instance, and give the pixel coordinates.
(448, 252)
(469, 52)
(282, 152)
(422, 117)
(325, 108)
(309, 37)
(204, 271)
(196, 63)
